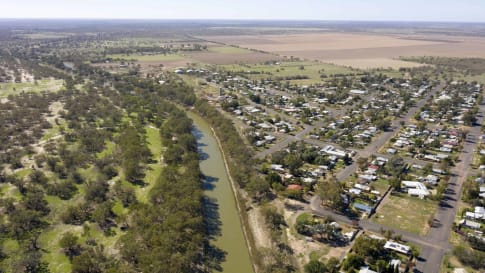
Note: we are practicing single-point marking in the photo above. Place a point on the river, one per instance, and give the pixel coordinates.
(221, 215)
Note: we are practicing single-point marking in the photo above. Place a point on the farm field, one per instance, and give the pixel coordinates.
(359, 50)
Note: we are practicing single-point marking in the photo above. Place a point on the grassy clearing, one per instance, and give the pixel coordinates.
(10, 191)
(108, 150)
(381, 185)
(312, 70)
(49, 240)
(319, 254)
(23, 173)
(228, 50)
(200, 85)
(155, 169)
(406, 213)
(148, 58)
(48, 85)
(478, 78)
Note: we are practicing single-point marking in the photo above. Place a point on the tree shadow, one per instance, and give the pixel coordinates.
(209, 182)
(213, 256)
(445, 205)
(197, 133)
(203, 156)
(212, 219)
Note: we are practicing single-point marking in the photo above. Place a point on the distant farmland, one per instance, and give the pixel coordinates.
(359, 50)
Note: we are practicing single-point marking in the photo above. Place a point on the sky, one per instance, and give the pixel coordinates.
(354, 10)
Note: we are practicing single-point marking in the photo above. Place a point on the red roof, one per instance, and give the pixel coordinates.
(294, 187)
(374, 167)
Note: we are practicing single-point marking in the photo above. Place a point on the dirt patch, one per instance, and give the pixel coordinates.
(303, 249)
(260, 232)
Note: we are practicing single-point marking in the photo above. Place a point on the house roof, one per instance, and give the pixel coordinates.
(294, 187)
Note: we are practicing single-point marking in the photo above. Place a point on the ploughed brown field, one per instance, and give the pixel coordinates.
(359, 50)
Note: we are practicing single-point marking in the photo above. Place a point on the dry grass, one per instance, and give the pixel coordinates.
(228, 57)
(406, 213)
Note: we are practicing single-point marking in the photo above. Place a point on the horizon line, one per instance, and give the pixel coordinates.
(236, 20)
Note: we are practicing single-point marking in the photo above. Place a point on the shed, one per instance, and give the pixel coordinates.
(365, 208)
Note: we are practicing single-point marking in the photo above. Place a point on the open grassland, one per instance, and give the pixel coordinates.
(48, 85)
(228, 50)
(148, 58)
(406, 213)
(226, 57)
(155, 169)
(359, 50)
(312, 70)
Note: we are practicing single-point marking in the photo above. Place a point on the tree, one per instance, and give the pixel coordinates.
(469, 118)
(315, 266)
(258, 187)
(352, 262)
(294, 162)
(362, 163)
(70, 245)
(330, 191)
(415, 251)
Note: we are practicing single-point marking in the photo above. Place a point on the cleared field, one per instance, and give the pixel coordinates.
(374, 63)
(48, 85)
(359, 50)
(406, 213)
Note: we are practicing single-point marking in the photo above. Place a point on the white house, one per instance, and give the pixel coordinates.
(416, 189)
(404, 249)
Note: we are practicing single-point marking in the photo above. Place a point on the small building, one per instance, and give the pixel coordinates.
(364, 208)
(358, 92)
(403, 249)
(416, 189)
(470, 224)
(366, 269)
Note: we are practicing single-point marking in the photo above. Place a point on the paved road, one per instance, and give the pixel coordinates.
(447, 210)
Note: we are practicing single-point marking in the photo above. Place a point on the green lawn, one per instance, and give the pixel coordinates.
(406, 213)
(7, 89)
(381, 185)
(228, 50)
